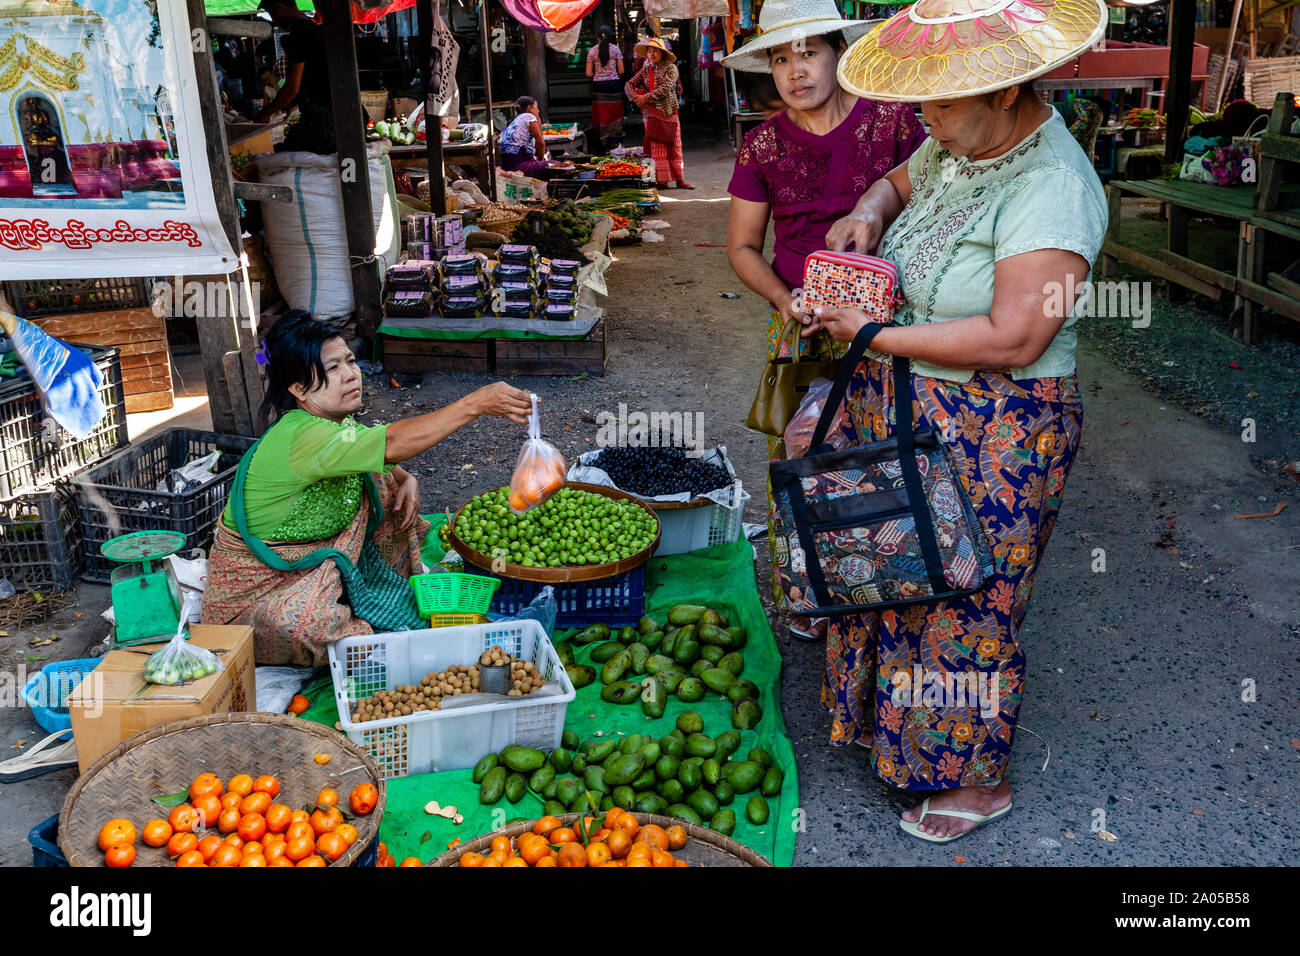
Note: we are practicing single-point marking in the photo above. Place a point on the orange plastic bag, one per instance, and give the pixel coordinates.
(799, 432)
(539, 471)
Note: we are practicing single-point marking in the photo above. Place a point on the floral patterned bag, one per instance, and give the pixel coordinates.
(878, 525)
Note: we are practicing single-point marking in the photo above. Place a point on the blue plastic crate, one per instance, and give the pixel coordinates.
(46, 693)
(616, 600)
(44, 839)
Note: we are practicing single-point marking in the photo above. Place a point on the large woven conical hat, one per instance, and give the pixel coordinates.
(943, 49)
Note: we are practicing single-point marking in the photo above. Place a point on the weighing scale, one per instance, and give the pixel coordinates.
(146, 596)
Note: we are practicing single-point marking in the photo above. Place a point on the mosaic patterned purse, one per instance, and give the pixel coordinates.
(849, 280)
(878, 525)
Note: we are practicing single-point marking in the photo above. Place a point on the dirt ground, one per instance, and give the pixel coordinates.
(1164, 685)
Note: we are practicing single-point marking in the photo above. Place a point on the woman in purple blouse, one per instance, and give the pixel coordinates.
(805, 168)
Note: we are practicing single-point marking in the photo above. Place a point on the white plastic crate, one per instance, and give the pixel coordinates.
(689, 529)
(453, 739)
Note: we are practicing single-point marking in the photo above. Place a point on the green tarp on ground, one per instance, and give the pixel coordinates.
(238, 8)
(722, 577)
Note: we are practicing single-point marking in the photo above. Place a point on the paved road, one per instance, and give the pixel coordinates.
(1135, 673)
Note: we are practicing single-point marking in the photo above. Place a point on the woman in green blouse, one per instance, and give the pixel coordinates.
(323, 527)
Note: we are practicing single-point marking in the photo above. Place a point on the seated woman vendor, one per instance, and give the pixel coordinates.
(322, 528)
(523, 148)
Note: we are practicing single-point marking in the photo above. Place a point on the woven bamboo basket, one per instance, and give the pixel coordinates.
(1265, 77)
(375, 103)
(167, 758)
(704, 847)
(502, 217)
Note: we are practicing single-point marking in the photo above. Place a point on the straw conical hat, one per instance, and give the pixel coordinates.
(785, 21)
(943, 49)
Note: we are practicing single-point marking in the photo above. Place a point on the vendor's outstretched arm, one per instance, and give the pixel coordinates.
(409, 437)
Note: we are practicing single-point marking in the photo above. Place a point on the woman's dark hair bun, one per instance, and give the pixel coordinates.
(292, 348)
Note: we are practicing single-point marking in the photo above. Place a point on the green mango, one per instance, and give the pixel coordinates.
(626, 768)
(699, 667)
(624, 796)
(548, 792)
(616, 667)
(711, 617)
(542, 776)
(494, 785)
(711, 654)
(718, 680)
(728, 744)
(725, 792)
(742, 689)
(757, 810)
(734, 662)
(630, 744)
(686, 614)
(712, 771)
(666, 767)
(483, 766)
(772, 782)
(554, 808)
(523, 759)
(700, 745)
(690, 690)
(650, 803)
(678, 733)
(669, 640)
(516, 787)
(738, 637)
(568, 790)
(594, 780)
(744, 775)
(645, 779)
(703, 803)
(597, 632)
(579, 763)
(569, 740)
(581, 675)
(626, 635)
(623, 692)
(658, 663)
(746, 714)
(640, 655)
(564, 650)
(648, 625)
(606, 802)
(709, 634)
(672, 790)
(652, 639)
(654, 698)
(585, 802)
(690, 776)
(690, 722)
(724, 822)
(759, 755)
(683, 812)
(651, 751)
(672, 677)
(672, 746)
(603, 652)
(561, 759)
(686, 653)
(600, 749)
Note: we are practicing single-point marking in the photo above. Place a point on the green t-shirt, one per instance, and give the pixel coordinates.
(305, 480)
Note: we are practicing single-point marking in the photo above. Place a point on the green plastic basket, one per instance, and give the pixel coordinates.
(453, 593)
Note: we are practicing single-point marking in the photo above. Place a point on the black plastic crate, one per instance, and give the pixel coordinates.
(31, 457)
(582, 188)
(126, 484)
(40, 540)
(33, 298)
(616, 600)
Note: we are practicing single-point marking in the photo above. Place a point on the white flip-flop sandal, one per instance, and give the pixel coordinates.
(914, 829)
(807, 635)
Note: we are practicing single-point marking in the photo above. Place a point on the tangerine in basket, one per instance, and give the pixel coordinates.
(204, 784)
(252, 826)
(619, 842)
(299, 848)
(363, 798)
(326, 821)
(466, 859)
(313, 860)
(501, 844)
(514, 861)
(551, 859)
(327, 798)
(120, 854)
(278, 817)
(532, 848)
(256, 802)
(331, 846)
(208, 846)
(386, 860)
(231, 801)
(183, 818)
(235, 840)
(241, 784)
(253, 859)
(631, 824)
(253, 848)
(208, 807)
(545, 825)
(676, 837)
(116, 832)
(562, 835)
(348, 832)
(572, 854)
(157, 833)
(191, 858)
(598, 854)
(227, 855)
(183, 843)
(267, 784)
(411, 861)
(653, 835)
(228, 821)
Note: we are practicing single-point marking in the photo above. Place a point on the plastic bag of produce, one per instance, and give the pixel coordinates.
(539, 472)
(799, 432)
(180, 661)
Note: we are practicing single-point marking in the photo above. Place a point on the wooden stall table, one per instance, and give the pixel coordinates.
(453, 154)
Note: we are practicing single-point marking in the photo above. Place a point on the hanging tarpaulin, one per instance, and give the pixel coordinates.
(685, 9)
(549, 16)
(372, 11)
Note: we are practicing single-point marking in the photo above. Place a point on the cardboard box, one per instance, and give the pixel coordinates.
(247, 141)
(115, 702)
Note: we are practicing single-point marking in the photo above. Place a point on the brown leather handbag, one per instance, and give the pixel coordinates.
(785, 382)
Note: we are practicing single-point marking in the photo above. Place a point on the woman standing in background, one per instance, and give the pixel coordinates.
(654, 89)
(605, 67)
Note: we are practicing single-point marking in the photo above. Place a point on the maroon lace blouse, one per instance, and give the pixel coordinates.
(811, 181)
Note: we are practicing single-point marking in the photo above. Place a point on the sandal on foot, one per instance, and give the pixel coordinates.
(685, 185)
(807, 635)
(914, 829)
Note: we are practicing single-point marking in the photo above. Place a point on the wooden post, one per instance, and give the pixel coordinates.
(345, 93)
(432, 124)
(1227, 57)
(1182, 36)
(535, 61)
(485, 54)
(1115, 208)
